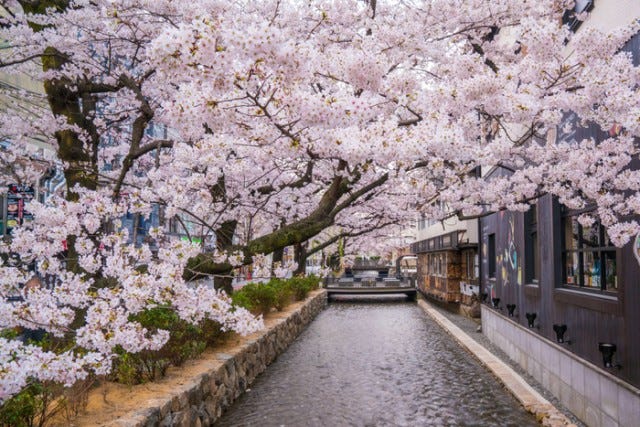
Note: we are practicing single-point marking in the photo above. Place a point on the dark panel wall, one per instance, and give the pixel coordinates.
(590, 317)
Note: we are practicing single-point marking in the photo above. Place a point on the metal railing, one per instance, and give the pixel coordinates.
(369, 282)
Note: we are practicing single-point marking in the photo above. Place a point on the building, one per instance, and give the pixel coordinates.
(560, 299)
(447, 260)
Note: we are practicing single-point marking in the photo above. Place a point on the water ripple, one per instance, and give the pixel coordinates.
(375, 364)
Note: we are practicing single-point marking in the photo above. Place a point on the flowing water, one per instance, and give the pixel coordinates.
(373, 363)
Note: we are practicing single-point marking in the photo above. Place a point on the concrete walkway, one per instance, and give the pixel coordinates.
(531, 400)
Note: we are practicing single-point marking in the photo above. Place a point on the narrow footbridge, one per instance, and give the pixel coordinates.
(370, 286)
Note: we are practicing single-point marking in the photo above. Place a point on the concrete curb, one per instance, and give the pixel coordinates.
(531, 400)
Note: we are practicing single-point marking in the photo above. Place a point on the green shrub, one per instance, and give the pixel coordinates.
(301, 286)
(261, 297)
(39, 402)
(24, 408)
(186, 341)
(282, 293)
(241, 299)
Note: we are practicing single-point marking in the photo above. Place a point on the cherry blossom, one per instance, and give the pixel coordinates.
(261, 125)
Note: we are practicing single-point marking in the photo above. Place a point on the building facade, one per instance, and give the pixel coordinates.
(447, 260)
(559, 298)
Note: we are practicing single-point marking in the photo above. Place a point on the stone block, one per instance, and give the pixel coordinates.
(609, 397)
(205, 379)
(576, 404)
(151, 417)
(545, 378)
(535, 369)
(179, 418)
(536, 351)
(565, 368)
(175, 403)
(628, 408)
(165, 408)
(166, 421)
(194, 394)
(607, 421)
(577, 376)
(554, 384)
(210, 407)
(565, 392)
(592, 386)
(592, 415)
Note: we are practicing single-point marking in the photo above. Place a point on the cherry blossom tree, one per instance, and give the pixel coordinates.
(267, 122)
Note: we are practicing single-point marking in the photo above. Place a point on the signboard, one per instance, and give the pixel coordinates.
(17, 197)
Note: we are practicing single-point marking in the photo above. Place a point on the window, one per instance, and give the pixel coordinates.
(471, 259)
(588, 256)
(491, 255)
(570, 16)
(532, 249)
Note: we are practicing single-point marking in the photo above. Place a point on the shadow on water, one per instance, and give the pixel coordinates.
(375, 361)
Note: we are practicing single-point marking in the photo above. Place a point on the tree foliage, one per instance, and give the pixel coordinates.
(264, 123)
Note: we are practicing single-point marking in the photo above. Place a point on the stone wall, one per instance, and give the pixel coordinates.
(202, 400)
(592, 394)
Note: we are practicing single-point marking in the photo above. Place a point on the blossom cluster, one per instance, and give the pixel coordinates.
(239, 119)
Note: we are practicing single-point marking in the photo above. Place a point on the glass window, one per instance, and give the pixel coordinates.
(491, 255)
(471, 259)
(589, 258)
(532, 250)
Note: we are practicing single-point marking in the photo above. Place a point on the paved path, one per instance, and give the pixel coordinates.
(546, 413)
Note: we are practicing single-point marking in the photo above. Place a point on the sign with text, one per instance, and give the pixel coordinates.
(17, 197)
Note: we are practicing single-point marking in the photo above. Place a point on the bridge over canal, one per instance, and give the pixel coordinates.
(371, 286)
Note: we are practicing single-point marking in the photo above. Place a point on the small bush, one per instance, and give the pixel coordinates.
(40, 402)
(301, 286)
(261, 297)
(282, 293)
(24, 408)
(186, 341)
(240, 298)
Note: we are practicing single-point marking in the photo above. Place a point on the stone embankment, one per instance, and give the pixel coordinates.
(196, 394)
(546, 414)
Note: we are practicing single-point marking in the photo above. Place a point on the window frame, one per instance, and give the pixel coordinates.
(532, 246)
(491, 256)
(599, 252)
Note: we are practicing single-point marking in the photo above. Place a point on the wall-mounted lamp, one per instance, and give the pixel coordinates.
(496, 303)
(531, 317)
(608, 350)
(560, 330)
(511, 308)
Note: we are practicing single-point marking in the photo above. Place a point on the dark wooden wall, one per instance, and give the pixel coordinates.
(591, 317)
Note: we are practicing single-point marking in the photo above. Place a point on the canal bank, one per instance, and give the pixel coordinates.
(531, 397)
(196, 393)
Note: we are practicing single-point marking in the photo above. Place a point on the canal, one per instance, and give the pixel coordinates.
(373, 363)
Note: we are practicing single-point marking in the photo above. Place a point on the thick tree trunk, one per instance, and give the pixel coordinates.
(276, 259)
(300, 254)
(224, 240)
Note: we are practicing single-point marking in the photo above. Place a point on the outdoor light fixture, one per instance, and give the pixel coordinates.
(560, 330)
(531, 317)
(511, 308)
(496, 302)
(608, 350)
